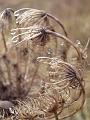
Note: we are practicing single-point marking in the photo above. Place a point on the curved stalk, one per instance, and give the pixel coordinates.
(66, 39)
(59, 22)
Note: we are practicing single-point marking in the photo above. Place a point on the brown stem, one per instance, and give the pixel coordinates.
(36, 70)
(66, 39)
(85, 49)
(19, 32)
(4, 41)
(34, 75)
(59, 22)
(56, 115)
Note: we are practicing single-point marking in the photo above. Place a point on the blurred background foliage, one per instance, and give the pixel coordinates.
(75, 14)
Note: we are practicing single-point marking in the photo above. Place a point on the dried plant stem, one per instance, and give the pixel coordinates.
(35, 73)
(19, 32)
(2, 75)
(26, 62)
(39, 21)
(66, 45)
(19, 40)
(22, 9)
(4, 41)
(56, 115)
(18, 82)
(59, 22)
(85, 49)
(67, 40)
(9, 73)
(27, 67)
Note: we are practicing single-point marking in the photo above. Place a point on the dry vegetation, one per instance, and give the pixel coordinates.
(40, 79)
(17, 65)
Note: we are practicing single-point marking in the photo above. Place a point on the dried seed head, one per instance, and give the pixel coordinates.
(36, 74)
(7, 14)
(29, 17)
(8, 18)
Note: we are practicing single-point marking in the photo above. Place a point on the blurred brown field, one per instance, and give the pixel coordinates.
(75, 14)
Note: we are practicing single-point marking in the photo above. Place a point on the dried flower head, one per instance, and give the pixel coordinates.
(37, 81)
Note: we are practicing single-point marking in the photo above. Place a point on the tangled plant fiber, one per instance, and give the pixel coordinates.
(37, 80)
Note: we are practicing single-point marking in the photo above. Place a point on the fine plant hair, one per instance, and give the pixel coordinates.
(37, 79)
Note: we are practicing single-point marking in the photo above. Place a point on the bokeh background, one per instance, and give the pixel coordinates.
(75, 14)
